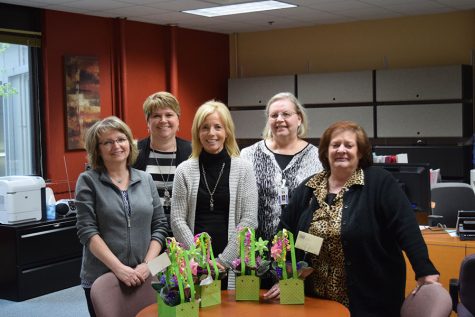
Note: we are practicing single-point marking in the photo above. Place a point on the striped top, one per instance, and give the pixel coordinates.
(162, 166)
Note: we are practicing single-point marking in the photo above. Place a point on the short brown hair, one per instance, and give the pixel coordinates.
(364, 146)
(160, 100)
(92, 140)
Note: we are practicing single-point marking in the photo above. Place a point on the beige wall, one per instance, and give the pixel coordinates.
(429, 40)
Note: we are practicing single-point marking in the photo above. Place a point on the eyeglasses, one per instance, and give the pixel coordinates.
(284, 115)
(108, 143)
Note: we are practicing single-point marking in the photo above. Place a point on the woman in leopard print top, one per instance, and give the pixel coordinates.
(366, 222)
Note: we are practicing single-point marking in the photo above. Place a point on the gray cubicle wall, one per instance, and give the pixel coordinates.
(249, 123)
(320, 118)
(426, 120)
(256, 91)
(333, 88)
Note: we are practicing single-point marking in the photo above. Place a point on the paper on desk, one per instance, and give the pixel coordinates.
(452, 232)
(159, 263)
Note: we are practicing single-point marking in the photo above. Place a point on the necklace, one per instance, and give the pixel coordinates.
(211, 193)
(166, 192)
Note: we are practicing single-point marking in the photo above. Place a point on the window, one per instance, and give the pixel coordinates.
(16, 150)
(20, 115)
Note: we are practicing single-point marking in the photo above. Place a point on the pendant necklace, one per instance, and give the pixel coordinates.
(166, 192)
(211, 193)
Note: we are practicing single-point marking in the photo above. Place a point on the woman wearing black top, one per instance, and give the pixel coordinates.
(214, 191)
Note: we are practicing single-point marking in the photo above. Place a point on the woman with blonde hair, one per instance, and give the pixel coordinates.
(215, 190)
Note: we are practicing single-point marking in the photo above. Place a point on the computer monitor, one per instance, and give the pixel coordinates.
(415, 182)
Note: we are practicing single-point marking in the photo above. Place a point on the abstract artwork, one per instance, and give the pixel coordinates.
(83, 107)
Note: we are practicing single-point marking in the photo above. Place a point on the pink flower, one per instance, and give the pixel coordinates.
(276, 251)
(194, 267)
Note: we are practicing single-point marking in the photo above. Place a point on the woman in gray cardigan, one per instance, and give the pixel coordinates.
(120, 219)
(214, 191)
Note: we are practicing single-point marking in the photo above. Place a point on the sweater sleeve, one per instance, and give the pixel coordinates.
(180, 212)
(402, 222)
(86, 215)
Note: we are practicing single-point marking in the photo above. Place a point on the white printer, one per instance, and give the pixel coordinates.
(22, 198)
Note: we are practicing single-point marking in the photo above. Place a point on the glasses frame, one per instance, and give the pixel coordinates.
(109, 143)
(285, 115)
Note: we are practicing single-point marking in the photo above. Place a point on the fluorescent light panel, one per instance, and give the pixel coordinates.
(240, 8)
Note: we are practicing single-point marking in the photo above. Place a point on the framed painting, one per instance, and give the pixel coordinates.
(83, 107)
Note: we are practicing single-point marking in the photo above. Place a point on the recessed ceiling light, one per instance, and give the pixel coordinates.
(240, 8)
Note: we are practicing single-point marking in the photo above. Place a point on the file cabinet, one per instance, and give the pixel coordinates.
(39, 258)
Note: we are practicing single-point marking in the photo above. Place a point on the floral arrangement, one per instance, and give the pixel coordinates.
(175, 283)
(248, 263)
(282, 267)
(203, 263)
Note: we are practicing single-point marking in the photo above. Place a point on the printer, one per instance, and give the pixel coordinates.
(22, 198)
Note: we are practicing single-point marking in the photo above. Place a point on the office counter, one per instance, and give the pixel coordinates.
(446, 253)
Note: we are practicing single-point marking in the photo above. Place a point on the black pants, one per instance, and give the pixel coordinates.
(90, 307)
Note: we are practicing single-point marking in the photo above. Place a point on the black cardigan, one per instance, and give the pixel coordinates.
(377, 224)
(183, 151)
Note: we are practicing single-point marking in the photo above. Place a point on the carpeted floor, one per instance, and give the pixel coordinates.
(69, 302)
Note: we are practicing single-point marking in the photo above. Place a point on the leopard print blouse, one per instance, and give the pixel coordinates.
(329, 280)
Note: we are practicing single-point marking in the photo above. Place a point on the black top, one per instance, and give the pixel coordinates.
(183, 152)
(214, 222)
(283, 160)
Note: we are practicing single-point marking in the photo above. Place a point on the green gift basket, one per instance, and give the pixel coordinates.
(247, 283)
(291, 287)
(177, 276)
(209, 288)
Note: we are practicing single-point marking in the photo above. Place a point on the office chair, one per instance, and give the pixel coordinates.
(462, 290)
(431, 300)
(112, 298)
(447, 199)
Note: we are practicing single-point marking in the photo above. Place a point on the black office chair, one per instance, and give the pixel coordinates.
(447, 199)
(462, 290)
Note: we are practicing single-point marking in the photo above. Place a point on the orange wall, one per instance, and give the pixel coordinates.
(429, 40)
(135, 60)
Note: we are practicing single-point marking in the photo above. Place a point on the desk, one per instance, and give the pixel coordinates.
(230, 307)
(446, 253)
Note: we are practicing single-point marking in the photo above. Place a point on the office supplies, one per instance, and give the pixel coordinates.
(466, 225)
(22, 198)
(66, 207)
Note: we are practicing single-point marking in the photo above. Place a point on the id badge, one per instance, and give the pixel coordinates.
(283, 195)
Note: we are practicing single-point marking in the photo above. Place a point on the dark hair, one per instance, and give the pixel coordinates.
(364, 147)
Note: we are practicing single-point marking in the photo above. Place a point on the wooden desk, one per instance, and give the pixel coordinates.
(446, 253)
(230, 307)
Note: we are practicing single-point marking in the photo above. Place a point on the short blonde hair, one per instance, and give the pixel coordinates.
(205, 110)
(299, 109)
(160, 100)
(92, 140)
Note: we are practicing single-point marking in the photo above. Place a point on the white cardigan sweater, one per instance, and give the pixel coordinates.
(242, 205)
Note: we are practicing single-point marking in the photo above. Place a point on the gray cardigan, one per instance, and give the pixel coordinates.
(100, 210)
(242, 204)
